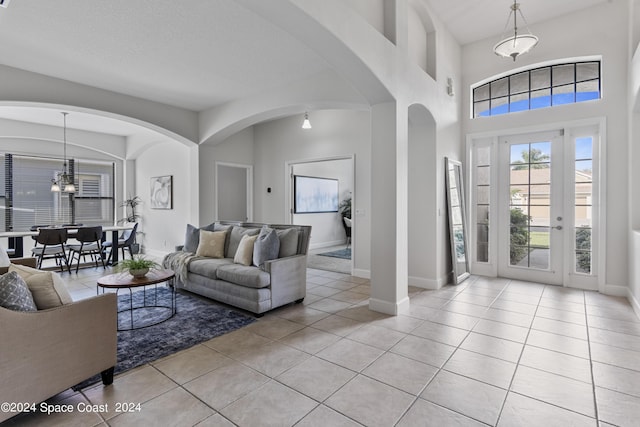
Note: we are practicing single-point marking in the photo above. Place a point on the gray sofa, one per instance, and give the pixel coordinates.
(275, 283)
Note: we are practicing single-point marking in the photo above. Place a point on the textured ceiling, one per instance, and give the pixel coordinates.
(194, 57)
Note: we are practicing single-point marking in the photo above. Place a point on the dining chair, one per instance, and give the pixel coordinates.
(125, 241)
(53, 246)
(89, 239)
(346, 222)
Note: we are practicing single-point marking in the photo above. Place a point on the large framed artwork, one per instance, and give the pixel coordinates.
(162, 192)
(315, 195)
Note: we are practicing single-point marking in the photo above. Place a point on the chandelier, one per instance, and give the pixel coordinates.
(64, 181)
(516, 45)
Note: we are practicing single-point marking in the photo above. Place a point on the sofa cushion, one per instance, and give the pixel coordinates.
(266, 247)
(244, 254)
(248, 276)
(192, 236)
(47, 287)
(236, 236)
(15, 294)
(208, 266)
(288, 242)
(211, 244)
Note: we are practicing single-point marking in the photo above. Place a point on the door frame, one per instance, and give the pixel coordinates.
(289, 191)
(490, 138)
(249, 176)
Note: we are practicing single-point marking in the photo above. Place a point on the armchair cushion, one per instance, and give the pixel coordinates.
(15, 294)
(47, 288)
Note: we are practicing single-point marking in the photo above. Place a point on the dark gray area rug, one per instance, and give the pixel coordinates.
(341, 253)
(197, 320)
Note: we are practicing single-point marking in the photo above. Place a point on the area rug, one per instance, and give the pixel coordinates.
(197, 320)
(340, 253)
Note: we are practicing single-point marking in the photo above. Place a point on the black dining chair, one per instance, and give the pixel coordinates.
(125, 241)
(90, 243)
(53, 246)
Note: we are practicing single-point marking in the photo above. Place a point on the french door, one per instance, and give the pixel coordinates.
(531, 217)
(535, 207)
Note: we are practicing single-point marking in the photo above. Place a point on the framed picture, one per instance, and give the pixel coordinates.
(315, 195)
(162, 192)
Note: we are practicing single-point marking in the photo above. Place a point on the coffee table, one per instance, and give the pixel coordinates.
(124, 280)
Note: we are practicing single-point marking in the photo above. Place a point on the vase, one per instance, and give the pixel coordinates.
(139, 272)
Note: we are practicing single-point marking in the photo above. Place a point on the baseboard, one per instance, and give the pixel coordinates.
(431, 284)
(634, 302)
(358, 272)
(616, 290)
(386, 307)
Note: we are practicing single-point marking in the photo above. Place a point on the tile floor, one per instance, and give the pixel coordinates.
(487, 352)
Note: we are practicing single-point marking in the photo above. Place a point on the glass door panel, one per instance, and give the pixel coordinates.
(530, 194)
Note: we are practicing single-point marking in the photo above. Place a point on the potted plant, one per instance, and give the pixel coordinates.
(137, 266)
(130, 204)
(345, 207)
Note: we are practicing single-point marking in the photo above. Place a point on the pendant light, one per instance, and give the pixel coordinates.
(306, 124)
(518, 44)
(64, 182)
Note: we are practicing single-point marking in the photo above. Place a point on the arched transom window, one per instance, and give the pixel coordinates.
(540, 87)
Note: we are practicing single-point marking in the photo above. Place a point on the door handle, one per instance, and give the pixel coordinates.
(557, 227)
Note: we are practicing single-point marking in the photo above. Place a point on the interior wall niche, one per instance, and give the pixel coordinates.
(422, 39)
(379, 13)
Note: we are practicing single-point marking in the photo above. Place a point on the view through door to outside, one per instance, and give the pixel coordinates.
(547, 191)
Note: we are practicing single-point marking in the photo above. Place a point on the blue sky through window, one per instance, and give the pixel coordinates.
(538, 88)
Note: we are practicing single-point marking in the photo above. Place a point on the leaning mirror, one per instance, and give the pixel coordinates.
(457, 220)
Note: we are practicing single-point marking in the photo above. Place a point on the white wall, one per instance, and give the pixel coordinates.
(238, 149)
(326, 228)
(479, 63)
(164, 228)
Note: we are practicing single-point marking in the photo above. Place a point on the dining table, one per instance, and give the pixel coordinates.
(16, 238)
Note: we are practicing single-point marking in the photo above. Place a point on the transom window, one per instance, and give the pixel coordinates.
(538, 88)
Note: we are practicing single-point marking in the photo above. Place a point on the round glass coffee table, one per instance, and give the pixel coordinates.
(154, 308)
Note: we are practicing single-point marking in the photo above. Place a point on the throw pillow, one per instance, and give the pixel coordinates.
(14, 293)
(236, 235)
(211, 244)
(4, 258)
(244, 254)
(192, 237)
(47, 287)
(288, 242)
(266, 247)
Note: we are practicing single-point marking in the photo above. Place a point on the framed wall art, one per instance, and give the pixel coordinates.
(315, 195)
(162, 192)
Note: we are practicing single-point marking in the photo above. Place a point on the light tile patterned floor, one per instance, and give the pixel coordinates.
(487, 352)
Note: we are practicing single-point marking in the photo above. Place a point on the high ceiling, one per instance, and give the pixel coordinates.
(194, 57)
(473, 20)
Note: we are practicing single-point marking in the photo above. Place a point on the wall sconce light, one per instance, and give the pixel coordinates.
(306, 124)
(450, 86)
